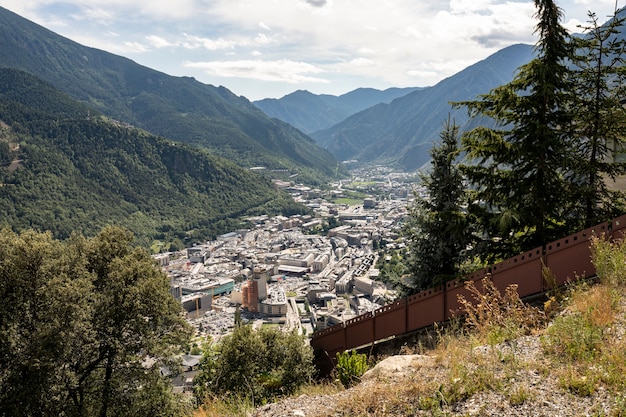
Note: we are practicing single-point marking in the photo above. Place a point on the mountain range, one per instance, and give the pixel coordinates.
(402, 132)
(311, 112)
(395, 127)
(178, 108)
(84, 133)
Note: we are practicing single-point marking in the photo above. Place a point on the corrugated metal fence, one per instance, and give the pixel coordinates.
(567, 258)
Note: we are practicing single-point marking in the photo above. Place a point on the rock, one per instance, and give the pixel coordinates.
(397, 366)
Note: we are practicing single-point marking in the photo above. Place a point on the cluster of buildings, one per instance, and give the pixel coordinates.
(283, 270)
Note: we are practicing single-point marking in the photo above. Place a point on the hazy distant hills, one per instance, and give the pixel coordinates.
(311, 112)
(179, 108)
(64, 168)
(402, 132)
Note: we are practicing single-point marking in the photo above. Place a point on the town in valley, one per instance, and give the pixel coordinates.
(296, 272)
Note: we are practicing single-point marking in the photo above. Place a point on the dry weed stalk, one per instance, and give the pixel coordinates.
(499, 317)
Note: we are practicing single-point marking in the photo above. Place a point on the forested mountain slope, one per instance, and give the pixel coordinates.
(64, 168)
(179, 108)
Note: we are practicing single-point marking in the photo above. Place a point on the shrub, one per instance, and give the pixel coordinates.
(609, 258)
(573, 336)
(256, 365)
(580, 334)
(350, 367)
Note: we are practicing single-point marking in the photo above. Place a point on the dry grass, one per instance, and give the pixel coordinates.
(497, 317)
(489, 360)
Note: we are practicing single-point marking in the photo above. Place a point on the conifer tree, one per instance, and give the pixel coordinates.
(518, 167)
(438, 229)
(598, 83)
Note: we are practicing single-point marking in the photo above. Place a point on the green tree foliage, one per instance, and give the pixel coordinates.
(259, 365)
(393, 268)
(438, 227)
(597, 132)
(518, 168)
(178, 108)
(86, 327)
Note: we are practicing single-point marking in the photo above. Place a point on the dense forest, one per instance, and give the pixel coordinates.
(66, 168)
(87, 328)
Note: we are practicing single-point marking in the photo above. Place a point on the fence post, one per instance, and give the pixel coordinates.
(445, 299)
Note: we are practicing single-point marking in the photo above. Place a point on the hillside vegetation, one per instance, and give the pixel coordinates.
(88, 327)
(65, 168)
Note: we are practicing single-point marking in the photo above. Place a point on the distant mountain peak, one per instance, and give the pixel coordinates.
(402, 132)
(312, 112)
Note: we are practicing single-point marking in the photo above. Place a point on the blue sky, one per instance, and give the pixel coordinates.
(269, 48)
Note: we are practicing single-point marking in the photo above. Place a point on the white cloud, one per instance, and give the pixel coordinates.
(97, 14)
(423, 74)
(124, 48)
(470, 6)
(362, 62)
(134, 47)
(370, 42)
(194, 42)
(157, 41)
(397, 34)
(263, 39)
(287, 71)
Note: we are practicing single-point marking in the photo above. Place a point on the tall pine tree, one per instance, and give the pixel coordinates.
(598, 83)
(518, 167)
(438, 229)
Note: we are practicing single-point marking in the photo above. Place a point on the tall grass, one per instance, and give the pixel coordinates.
(496, 317)
(584, 338)
(609, 258)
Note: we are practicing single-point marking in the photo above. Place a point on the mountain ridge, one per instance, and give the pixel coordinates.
(402, 132)
(64, 167)
(179, 108)
(312, 112)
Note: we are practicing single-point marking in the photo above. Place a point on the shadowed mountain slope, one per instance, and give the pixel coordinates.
(64, 167)
(311, 112)
(402, 132)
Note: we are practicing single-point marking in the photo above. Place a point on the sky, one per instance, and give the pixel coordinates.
(270, 48)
